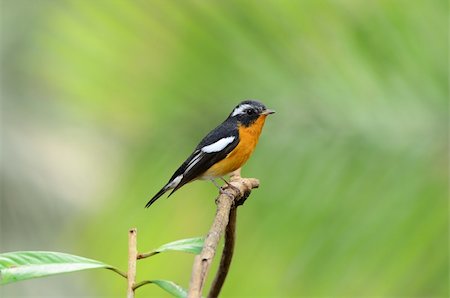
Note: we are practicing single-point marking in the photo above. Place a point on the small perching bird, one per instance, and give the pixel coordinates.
(224, 150)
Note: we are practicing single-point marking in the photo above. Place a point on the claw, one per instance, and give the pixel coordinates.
(231, 186)
(224, 192)
(215, 184)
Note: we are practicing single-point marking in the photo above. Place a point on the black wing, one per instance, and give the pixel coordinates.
(199, 161)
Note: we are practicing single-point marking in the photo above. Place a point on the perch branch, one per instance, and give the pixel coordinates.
(132, 257)
(227, 255)
(230, 199)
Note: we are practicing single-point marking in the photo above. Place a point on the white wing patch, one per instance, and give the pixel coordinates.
(194, 161)
(240, 109)
(175, 182)
(219, 145)
(214, 147)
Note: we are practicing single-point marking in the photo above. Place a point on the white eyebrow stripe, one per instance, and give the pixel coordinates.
(240, 109)
(219, 145)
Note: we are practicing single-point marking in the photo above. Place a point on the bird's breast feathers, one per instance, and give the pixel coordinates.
(248, 138)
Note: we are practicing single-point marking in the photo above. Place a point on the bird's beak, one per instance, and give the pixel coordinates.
(268, 112)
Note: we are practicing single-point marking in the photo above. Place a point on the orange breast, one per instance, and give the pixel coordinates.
(235, 159)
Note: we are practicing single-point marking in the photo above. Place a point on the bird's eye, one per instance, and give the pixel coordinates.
(250, 112)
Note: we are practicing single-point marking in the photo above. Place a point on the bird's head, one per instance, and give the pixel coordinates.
(248, 111)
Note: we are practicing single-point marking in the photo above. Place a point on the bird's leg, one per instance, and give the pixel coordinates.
(215, 183)
(231, 186)
(221, 190)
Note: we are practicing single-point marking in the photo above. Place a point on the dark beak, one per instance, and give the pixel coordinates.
(268, 112)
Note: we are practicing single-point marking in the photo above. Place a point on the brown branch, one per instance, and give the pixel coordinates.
(233, 196)
(132, 257)
(227, 255)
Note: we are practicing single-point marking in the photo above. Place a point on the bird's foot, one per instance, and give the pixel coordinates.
(236, 189)
(223, 191)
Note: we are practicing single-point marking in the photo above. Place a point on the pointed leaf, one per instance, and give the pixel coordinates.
(191, 245)
(22, 265)
(171, 287)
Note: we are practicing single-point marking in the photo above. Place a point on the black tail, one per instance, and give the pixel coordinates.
(157, 196)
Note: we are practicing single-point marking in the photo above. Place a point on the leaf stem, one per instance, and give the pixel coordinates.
(147, 254)
(121, 273)
(142, 283)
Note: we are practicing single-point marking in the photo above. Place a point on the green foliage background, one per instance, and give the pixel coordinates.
(102, 100)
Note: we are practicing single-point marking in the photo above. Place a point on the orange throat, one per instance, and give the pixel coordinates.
(248, 138)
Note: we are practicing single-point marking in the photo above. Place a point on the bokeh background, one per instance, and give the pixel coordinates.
(102, 100)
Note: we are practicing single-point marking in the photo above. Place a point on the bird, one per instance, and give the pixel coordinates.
(223, 150)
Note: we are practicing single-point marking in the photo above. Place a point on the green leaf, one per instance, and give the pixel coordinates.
(171, 287)
(22, 265)
(191, 245)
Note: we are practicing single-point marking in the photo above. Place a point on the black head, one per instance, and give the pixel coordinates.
(248, 111)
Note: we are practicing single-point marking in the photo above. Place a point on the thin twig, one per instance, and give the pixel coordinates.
(227, 255)
(132, 257)
(225, 202)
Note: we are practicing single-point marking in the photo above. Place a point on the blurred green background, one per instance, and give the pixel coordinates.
(102, 100)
